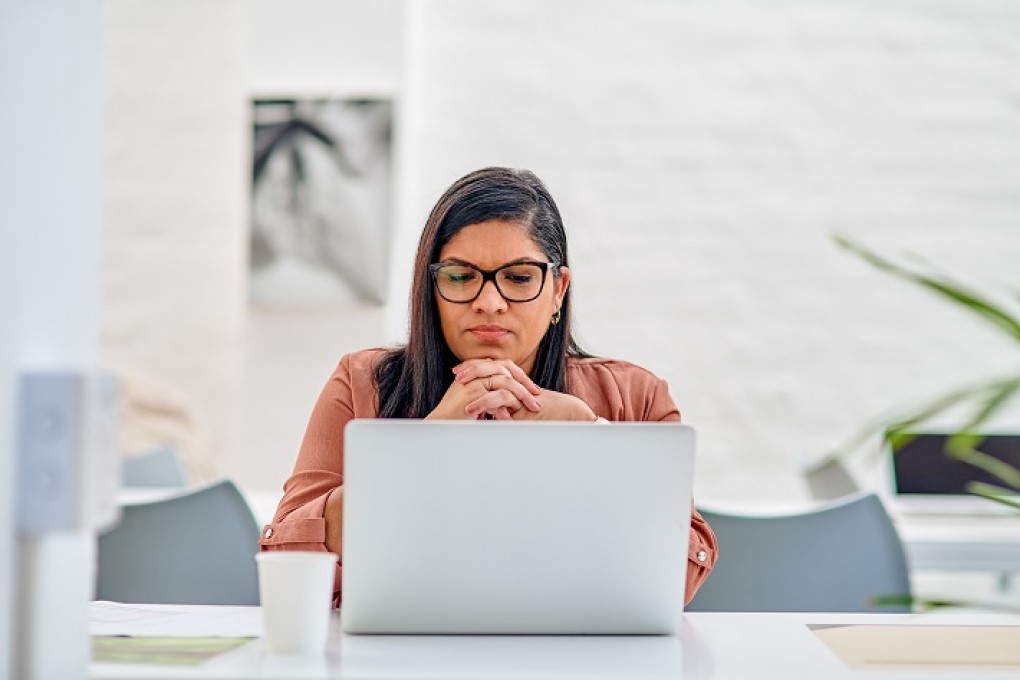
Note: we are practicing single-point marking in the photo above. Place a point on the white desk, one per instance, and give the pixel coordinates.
(710, 645)
(961, 543)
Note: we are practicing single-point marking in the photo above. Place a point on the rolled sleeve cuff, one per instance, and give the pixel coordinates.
(311, 530)
(700, 554)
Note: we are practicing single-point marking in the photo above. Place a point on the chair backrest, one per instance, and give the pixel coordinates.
(158, 468)
(195, 548)
(839, 557)
(829, 480)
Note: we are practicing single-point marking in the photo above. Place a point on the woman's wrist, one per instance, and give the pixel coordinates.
(585, 413)
(334, 520)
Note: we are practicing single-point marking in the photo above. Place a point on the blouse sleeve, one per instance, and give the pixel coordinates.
(701, 548)
(702, 552)
(652, 402)
(299, 522)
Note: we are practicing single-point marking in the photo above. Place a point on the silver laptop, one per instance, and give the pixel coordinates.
(515, 528)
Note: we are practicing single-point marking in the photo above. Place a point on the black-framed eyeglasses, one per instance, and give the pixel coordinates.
(516, 282)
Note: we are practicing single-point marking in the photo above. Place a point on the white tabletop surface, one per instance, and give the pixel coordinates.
(720, 646)
(945, 542)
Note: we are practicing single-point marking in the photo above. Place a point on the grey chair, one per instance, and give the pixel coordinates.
(197, 547)
(838, 557)
(159, 468)
(829, 479)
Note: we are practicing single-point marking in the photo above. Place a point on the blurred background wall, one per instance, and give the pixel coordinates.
(702, 154)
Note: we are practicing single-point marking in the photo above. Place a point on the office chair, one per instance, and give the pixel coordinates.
(829, 480)
(838, 557)
(194, 548)
(160, 468)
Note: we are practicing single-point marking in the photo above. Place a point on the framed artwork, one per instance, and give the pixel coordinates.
(320, 202)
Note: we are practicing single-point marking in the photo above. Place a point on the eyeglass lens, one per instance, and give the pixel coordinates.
(515, 282)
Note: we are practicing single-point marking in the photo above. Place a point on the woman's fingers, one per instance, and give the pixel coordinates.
(481, 368)
(499, 403)
(502, 382)
(478, 377)
(474, 369)
(520, 376)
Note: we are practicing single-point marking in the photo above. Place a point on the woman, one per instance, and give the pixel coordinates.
(475, 351)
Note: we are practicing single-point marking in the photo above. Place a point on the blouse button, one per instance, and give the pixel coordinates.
(269, 532)
(702, 555)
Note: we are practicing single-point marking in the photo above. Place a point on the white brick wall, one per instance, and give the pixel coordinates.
(702, 153)
(174, 171)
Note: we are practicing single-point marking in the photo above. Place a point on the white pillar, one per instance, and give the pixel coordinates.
(50, 122)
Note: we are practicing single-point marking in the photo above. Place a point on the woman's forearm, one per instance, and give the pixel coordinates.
(333, 515)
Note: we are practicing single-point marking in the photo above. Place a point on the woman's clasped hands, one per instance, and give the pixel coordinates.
(499, 389)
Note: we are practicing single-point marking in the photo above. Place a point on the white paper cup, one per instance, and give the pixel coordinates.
(296, 594)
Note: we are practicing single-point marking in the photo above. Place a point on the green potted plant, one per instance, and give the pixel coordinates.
(981, 400)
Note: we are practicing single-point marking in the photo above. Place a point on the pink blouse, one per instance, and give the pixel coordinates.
(614, 390)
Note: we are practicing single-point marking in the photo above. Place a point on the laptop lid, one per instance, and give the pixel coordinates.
(927, 479)
(515, 528)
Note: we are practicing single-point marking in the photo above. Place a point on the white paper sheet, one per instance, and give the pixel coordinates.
(173, 620)
(920, 647)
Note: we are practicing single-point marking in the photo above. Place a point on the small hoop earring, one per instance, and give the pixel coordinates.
(555, 318)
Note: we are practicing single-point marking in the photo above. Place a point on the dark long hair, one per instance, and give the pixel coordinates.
(413, 379)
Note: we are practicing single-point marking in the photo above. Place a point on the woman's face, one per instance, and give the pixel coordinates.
(489, 327)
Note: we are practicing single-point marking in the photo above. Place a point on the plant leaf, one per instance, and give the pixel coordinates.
(999, 395)
(924, 603)
(991, 396)
(970, 300)
(898, 438)
(901, 427)
(962, 444)
(899, 432)
(993, 466)
(994, 493)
